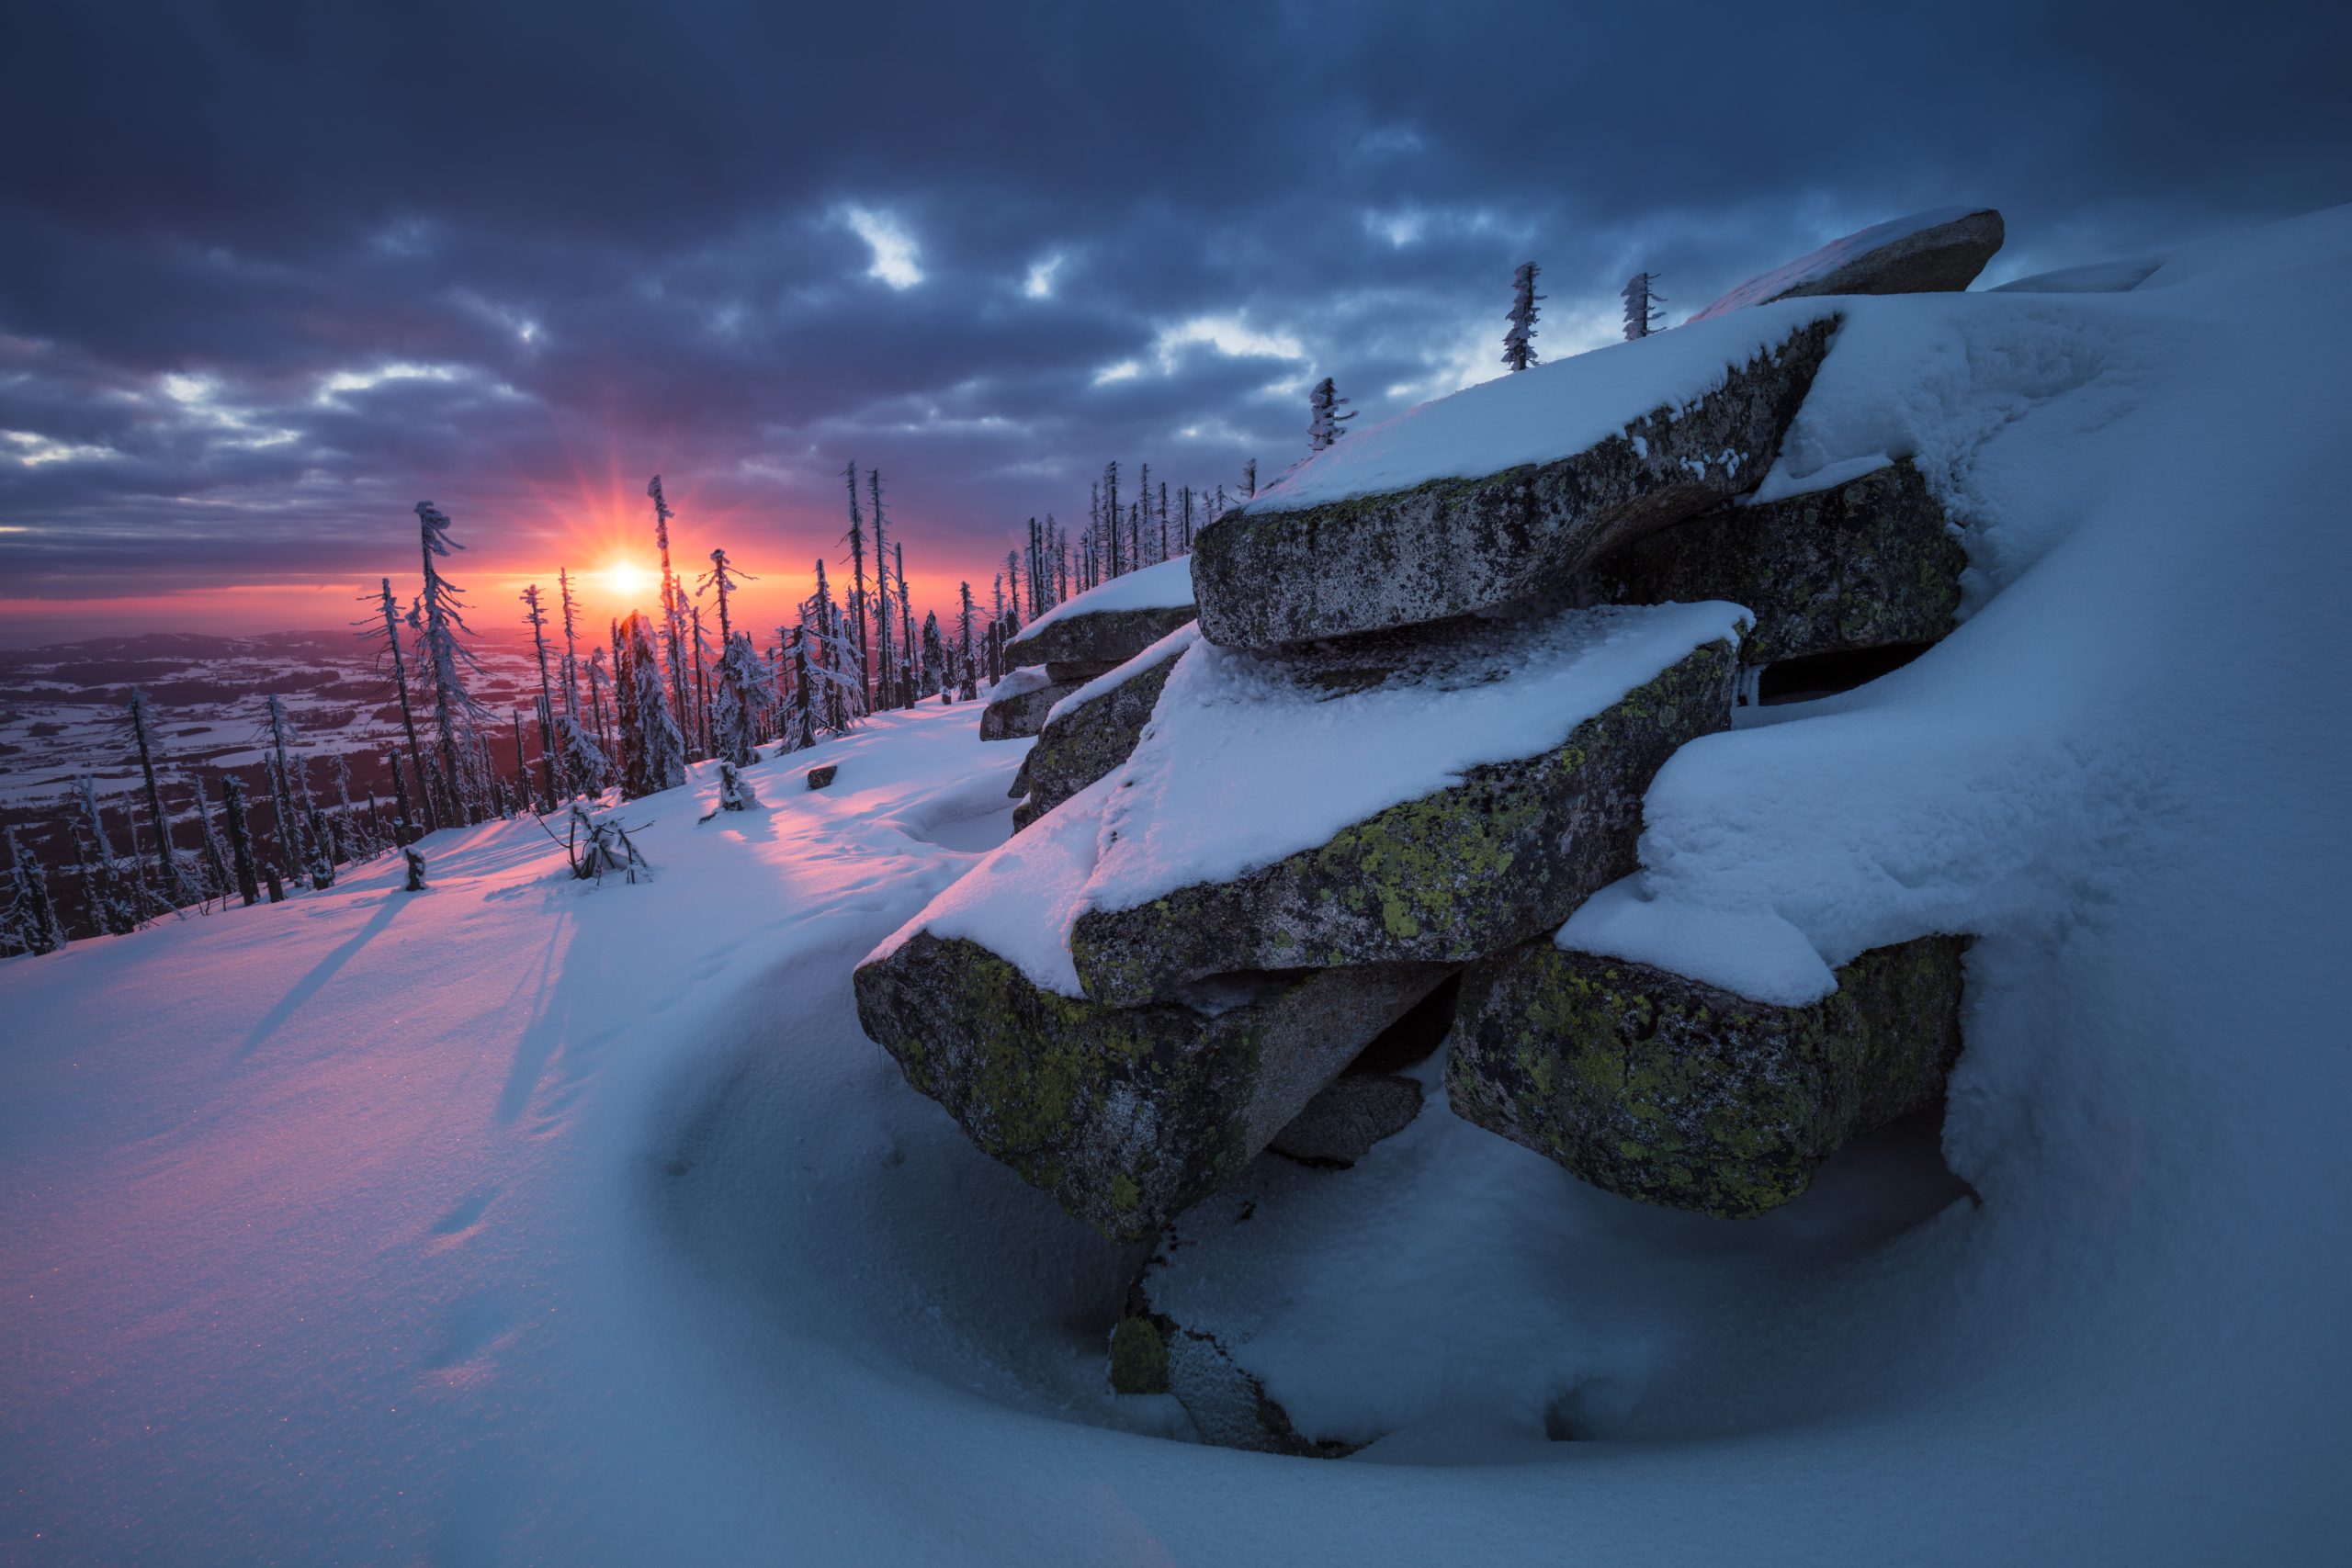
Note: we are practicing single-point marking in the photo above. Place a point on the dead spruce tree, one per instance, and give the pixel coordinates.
(1323, 416)
(1518, 344)
(1642, 303)
(455, 712)
(30, 924)
(653, 750)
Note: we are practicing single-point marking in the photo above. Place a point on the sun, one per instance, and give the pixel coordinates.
(627, 580)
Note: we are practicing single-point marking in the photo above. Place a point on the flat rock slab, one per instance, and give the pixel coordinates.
(1125, 1116)
(1502, 542)
(1459, 795)
(1018, 705)
(1354, 1112)
(1109, 622)
(821, 777)
(1662, 1088)
(1095, 728)
(1938, 252)
(1870, 563)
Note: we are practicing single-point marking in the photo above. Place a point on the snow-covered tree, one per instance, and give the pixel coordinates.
(735, 791)
(280, 763)
(908, 674)
(113, 897)
(385, 624)
(935, 656)
(653, 752)
(1113, 565)
(836, 665)
(416, 859)
(968, 688)
(885, 644)
(29, 923)
(571, 608)
(1249, 476)
(1323, 421)
(599, 844)
(673, 628)
(743, 676)
(799, 729)
(240, 837)
(455, 712)
(1642, 303)
(1518, 344)
(536, 618)
(856, 538)
(142, 730)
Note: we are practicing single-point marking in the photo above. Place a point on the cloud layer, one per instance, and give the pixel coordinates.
(269, 275)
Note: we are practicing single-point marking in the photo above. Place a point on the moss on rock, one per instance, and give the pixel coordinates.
(1510, 851)
(1086, 741)
(1127, 1116)
(1268, 578)
(1020, 712)
(1665, 1089)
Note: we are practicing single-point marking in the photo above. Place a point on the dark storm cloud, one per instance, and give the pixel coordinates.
(268, 274)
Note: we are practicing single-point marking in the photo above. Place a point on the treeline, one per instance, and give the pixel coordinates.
(624, 711)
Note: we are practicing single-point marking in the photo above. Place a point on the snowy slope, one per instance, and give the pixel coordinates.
(1819, 264)
(514, 1222)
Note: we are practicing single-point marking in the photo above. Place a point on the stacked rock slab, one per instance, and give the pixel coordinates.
(1866, 564)
(1278, 573)
(1126, 1115)
(1673, 1091)
(1018, 704)
(1585, 707)
(1095, 728)
(1936, 252)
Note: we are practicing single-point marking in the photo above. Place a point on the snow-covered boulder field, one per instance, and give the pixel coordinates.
(523, 1219)
(1494, 499)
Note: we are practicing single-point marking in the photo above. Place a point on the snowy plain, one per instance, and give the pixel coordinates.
(518, 1221)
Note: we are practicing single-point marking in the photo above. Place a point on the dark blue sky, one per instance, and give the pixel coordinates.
(270, 274)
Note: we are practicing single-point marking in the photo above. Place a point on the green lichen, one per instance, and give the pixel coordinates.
(1662, 1088)
(1138, 1356)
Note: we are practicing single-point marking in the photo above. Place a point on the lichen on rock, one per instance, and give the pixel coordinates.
(1865, 564)
(1665, 1089)
(1019, 704)
(1506, 851)
(1092, 731)
(1126, 1115)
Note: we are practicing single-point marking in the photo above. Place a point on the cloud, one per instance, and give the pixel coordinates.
(894, 248)
(1040, 283)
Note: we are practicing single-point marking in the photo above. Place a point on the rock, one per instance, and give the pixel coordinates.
(1125, 1116)
(1663, 1088)
(1938, 251)
(1353, 1112)
(1095, 730)
(1067, 675)
(1504, 850)
(1870, 563)
(1151, 1354)
(1018, 705)
(819, 778)
(1108, 624)
(1502, 542)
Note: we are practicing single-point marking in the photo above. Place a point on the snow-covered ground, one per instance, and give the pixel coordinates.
(518, 1221)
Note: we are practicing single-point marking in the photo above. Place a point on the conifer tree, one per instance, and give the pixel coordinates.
(455, 712)
(385, 624)
(292, 846)
(1160, 553)
(1518, 344)
(908, 675)
(735, 721)
(935, 656)
(653, 752)
(800, 707)
(114, 902)
(416, 859)
(571, 642)
(1642, 303)
(857, 567)
(968, 690)
(699, 728)
(1249, 478)
(1184, 520)
(1111, 566)
(838, 667)
(240, 838)
(142, 726)
(884, 650)
(405, 825)
(1324, 418)
(674, 629)
(30, 924)
(536, 618)
(347, 836)
(216, 881)
(600, 701)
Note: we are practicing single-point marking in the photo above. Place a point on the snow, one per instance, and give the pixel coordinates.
(1167, 586)
(1538, 415)
(1752, 952)
(1243, 763)
(1815, 265)
(527, 1221)
(1158, 653)
(2118, 277)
